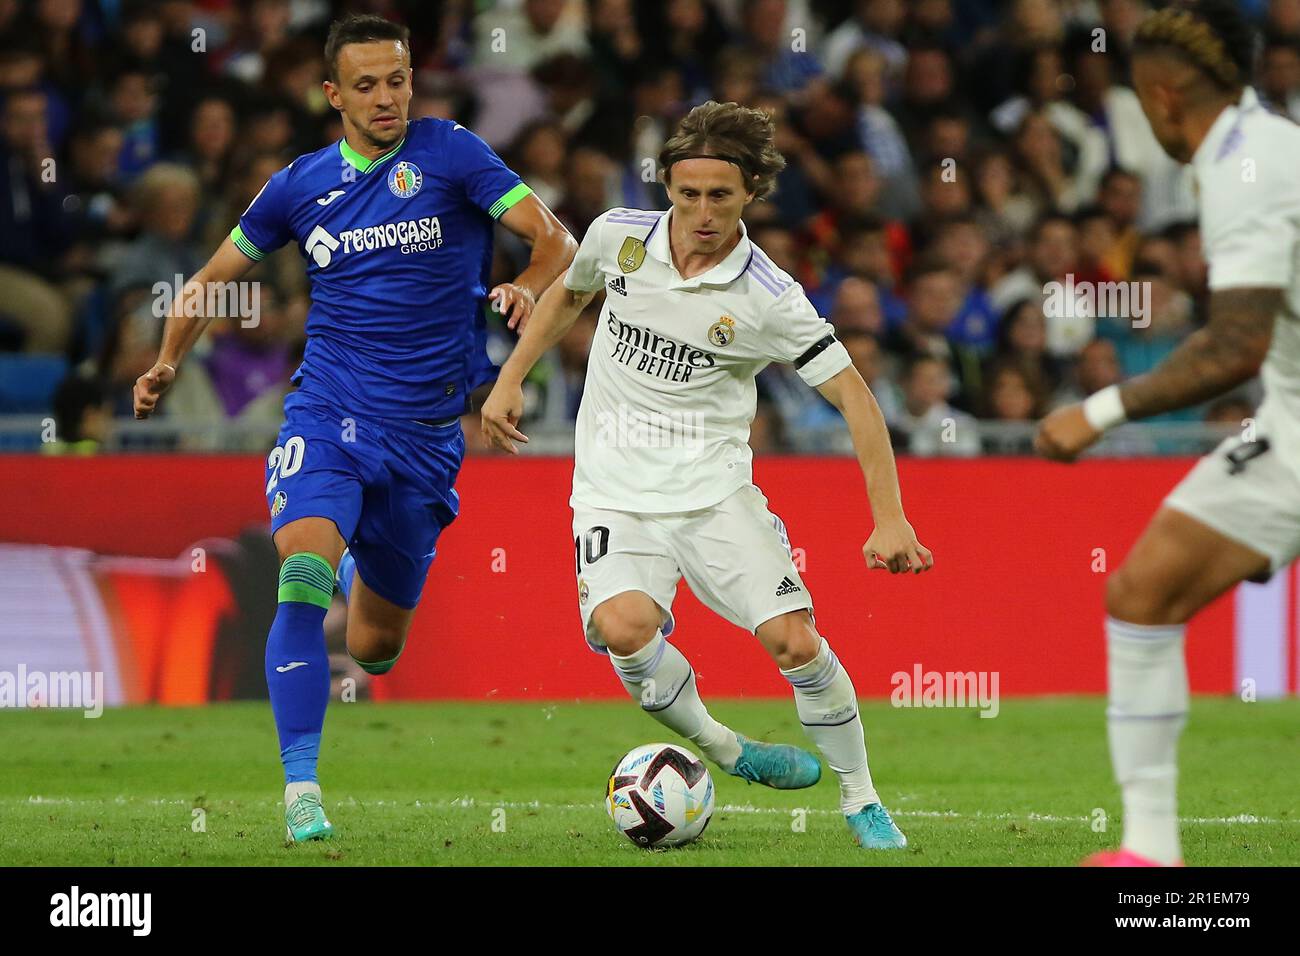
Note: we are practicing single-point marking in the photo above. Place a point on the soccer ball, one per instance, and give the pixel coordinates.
(660, 795)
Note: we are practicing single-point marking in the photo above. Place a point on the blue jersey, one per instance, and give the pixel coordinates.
(398, 252)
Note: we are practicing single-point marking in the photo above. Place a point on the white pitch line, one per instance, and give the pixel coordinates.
(470, 803)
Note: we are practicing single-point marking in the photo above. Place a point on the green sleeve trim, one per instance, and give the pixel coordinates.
(247, 248)
(307, 579)
(509, 199)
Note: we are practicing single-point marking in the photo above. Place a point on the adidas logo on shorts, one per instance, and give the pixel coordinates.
(618, 285)
(787, 587)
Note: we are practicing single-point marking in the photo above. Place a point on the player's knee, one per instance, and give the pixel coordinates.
(791, 639)
(378, 652)
(626, 626)
(1140, 598)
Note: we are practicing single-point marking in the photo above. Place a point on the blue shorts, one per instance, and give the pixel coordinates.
(386, 484)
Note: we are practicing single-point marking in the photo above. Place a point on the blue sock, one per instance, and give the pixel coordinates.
(347, 571)
(297, 667)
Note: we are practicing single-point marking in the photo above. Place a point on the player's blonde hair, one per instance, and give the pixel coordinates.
(732, 132)
(1211, 35)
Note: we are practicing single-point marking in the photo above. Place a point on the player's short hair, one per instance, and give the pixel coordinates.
(728, 131)
(1210, 35)
(361, 28)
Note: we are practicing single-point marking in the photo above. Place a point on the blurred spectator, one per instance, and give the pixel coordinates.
(1053, 258)
(963, 246)
(1097, 368)
(784, 68)
(1022, 341)
(1004, 210)
(856, 308)
(881, 135)
(134, 104)
(82, 417)
(1279, 77)
(930, 426)
(35, 227)
(166, 201)
(874, 25)
(589, 178)
(538, 155)
(516, 40)
(1013, 394)
(934, 300)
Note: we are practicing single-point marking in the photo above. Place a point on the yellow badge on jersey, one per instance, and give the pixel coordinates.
(631, 254)
(723, 331)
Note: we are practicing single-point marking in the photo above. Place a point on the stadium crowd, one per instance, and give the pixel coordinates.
(946, 161)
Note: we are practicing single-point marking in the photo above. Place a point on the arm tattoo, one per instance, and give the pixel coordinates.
(1212, 360)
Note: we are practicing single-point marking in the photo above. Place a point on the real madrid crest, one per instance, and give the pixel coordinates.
(723, 331)
(631, 254)
(405, 179)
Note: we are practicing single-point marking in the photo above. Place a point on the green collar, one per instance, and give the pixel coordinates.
(363, 165)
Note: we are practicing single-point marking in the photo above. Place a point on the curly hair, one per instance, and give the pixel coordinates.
(1211, 35)
(732, 132)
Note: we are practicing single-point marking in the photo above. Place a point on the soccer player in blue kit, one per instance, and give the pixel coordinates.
(395, 223)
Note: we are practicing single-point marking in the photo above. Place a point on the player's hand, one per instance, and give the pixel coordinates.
(150, 387)
(514, 302)
(1065, 434)
(500, 415)
(893, 547)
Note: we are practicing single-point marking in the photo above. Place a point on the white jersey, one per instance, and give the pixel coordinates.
(1248, 185)
(664, 422)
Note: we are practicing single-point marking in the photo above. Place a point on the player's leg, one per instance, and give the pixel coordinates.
(377, 628)
(297, 666)
(827, 705)
(1178, 566)
(626, 586)
(315, 494)
(657, 675)
(408, 499)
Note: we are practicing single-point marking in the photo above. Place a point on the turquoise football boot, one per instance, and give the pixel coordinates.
(304, 817)
(873, 829)
(779, 766)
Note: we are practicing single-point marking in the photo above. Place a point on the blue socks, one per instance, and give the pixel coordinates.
(297, 666)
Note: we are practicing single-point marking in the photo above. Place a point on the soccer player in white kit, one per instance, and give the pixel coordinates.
(1236, 516)
(662, 483)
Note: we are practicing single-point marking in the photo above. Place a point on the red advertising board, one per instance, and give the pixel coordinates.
(1021, 549)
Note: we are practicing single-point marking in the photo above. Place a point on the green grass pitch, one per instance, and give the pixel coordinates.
(522, 783)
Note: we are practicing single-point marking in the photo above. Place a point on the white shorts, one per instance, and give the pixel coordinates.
(1246, 493)
(735, 556)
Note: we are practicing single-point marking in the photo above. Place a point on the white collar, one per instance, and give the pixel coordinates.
(728, 270)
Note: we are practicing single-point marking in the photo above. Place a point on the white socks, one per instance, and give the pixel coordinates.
(1148, 708)
(660, 678)
(828, 709)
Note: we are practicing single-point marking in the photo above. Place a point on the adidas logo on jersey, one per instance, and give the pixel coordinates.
(617, 284)
(787, 587)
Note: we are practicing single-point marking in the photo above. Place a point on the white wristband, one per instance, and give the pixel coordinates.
(1104, 409)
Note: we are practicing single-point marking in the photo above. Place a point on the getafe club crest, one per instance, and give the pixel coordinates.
(278, 503)
(405, 179)
(631, 254)
(723, 331)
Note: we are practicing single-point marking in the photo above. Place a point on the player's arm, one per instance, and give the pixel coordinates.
(893, 543)
(558, 309)
(553, 250)
(1209, 362)
(181, 331)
